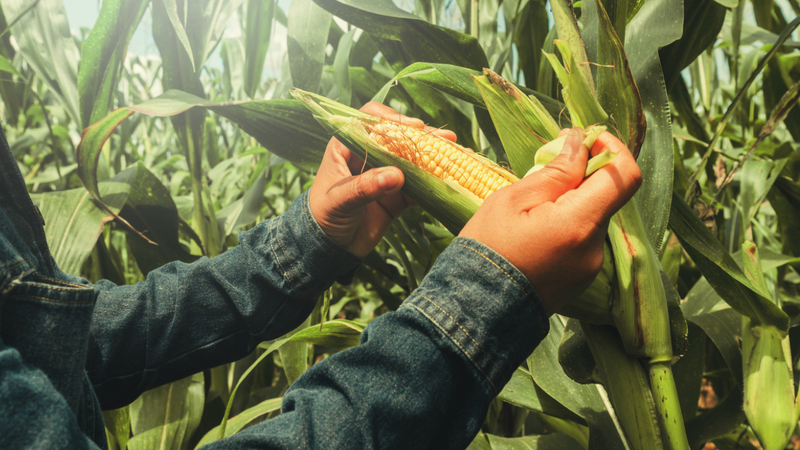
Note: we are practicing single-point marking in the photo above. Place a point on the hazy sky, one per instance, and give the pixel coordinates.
(84, 13)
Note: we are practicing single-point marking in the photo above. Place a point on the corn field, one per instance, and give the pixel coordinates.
(688, 338)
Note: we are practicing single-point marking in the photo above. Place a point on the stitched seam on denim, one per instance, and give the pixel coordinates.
(274, 232)
(306, 210)
(14, 266)
(74, 302)
(465, 332)
(62, 283)
(59, 289)
(8, 276)
(455, 341)
(14, 281)
(496, 265)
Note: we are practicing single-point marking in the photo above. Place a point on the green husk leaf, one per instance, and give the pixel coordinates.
(579, 96)
(523, 123)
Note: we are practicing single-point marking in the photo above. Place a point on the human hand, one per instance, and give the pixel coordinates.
(356, 210)
(551, 224)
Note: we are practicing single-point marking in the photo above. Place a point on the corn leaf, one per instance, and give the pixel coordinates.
(73, 222)
(150, 208)
(583, 400)
(102, 55)
(721, 271)
(627, 385)
(568, 32)
(458, 82)
(688, 371)
(341, 67)
(422, 41)
(166, 417)
(657, 24)
(174, 16)
(241, 420)
(339, 334)
(521, 391)
(579, 95)
(616, 88)
(284, 127)
(702, 22)
(118, 426)
(45, 41)
(307, 37)
(556, 441)
(725, 418)
(257, 35)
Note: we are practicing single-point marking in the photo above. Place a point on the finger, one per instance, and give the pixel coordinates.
(563, 132)
(607, 141)
(564, 173)
(356, 165)
(358, 191)
(338, 159)
(441, 132)
(607, 190)
(394, 205)
(386, 112)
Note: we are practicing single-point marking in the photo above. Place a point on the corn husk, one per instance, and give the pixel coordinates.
(769, 393)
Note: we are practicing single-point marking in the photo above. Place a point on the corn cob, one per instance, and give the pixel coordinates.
(769, 394)
(440, 157)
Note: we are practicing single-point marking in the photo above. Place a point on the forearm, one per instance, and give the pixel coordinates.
(422, 376)
(189, 317)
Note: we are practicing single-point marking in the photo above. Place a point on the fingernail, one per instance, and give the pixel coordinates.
(387, 178)
(573, 141)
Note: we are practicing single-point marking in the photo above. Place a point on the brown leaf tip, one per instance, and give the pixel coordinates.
(506, 86)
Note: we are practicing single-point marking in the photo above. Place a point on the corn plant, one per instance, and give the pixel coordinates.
(686, 339)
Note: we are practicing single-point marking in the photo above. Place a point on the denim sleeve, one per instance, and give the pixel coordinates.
(34, 414)
(185, 318)
(423, 376)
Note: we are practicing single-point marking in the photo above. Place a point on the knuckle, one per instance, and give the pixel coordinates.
(636, 178)
(560, 170)
(584, 231)
(357, 189)
(502, 195)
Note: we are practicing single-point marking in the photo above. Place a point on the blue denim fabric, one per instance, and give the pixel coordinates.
(422, 377)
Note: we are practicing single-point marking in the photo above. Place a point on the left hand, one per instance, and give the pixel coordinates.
(356, 210)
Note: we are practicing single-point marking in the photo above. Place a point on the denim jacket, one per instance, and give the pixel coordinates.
(422, 376)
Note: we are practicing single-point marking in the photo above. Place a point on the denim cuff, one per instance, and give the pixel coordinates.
(309, 259)
(485, 306)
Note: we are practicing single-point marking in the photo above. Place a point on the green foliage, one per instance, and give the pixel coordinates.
(704, 93)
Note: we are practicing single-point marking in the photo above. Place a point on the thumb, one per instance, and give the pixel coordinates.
(355, 192)
(561, 175)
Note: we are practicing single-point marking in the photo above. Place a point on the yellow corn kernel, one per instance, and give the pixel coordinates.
(442, 158)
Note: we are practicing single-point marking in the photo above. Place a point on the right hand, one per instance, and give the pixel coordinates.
(551, 224)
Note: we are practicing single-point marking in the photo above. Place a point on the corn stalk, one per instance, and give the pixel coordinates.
(639, 309)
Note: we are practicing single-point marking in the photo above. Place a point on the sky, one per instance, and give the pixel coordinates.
(84, 13)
